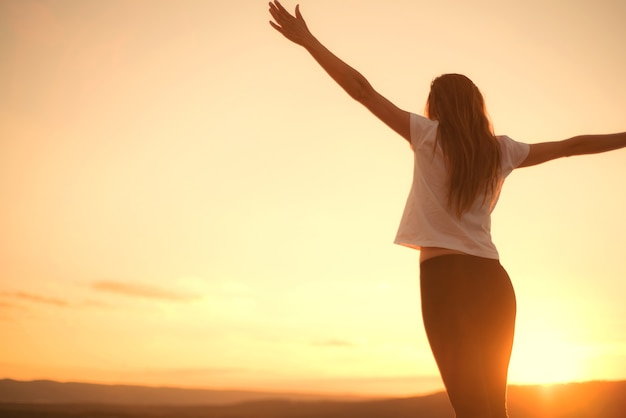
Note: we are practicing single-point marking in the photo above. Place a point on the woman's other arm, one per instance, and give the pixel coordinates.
(354, 83)
(578, 145)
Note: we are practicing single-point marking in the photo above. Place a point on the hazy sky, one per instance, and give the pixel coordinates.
(187, 199)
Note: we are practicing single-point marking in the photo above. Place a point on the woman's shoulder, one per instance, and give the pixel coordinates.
(422, 120)
(513, 152)
(422, 129)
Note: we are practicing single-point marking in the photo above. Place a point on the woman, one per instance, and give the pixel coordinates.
(468, 303)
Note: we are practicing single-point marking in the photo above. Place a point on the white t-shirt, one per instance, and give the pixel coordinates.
(427, 221)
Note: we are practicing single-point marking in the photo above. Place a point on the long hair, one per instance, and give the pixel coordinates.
(467, 140)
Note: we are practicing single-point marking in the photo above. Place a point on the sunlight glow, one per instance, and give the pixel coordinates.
(546, 359)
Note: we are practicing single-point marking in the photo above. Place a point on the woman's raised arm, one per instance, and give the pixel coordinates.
(354, 83)
(578, 145)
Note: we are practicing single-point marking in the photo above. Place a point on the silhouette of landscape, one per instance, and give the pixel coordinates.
(49, 399)
(50, 392)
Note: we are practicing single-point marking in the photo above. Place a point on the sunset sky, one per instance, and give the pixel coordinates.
(189, 200)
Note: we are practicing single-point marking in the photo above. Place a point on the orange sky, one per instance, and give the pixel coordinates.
(189, 200)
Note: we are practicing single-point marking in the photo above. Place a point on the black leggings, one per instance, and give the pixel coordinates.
(468, 307)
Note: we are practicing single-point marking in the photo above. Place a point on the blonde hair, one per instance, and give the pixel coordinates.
(467, 140)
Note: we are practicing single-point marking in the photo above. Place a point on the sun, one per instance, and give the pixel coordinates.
(546, 359)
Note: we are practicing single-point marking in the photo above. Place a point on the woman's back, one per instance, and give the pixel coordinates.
(428, 219)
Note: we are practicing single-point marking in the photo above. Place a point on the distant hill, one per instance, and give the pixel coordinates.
(575, 400)
(50, 392)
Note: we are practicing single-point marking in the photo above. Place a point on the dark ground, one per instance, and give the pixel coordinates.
(579, 400)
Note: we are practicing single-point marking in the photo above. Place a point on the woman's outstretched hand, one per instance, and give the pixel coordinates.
(292, 27)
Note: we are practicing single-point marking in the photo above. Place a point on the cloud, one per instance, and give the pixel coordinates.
(142, 291)
(6, 305)
(36, 298)
(333, 342)
(89, 303)
(196, 372)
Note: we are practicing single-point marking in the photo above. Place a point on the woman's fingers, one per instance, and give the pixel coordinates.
(279, 12)
(280, 7)
(292, 27)
(276, 9)
(275, 26)
(277, 17)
